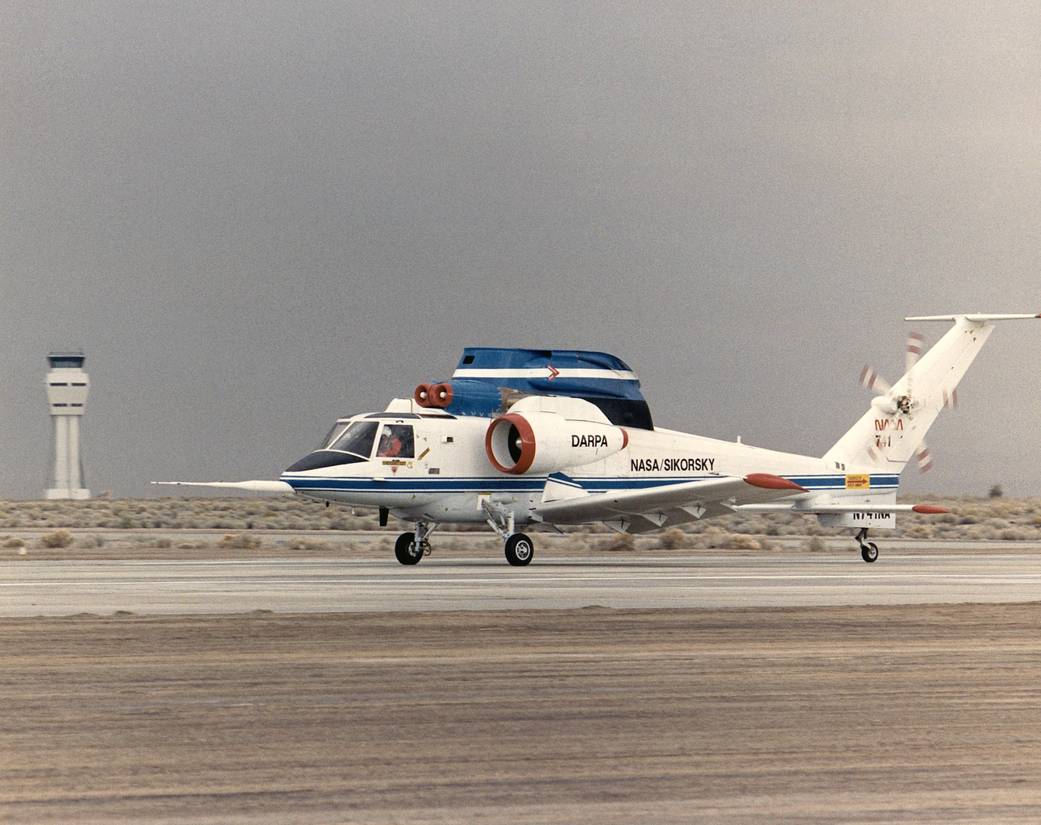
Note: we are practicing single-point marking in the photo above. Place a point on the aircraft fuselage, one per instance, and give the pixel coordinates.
(446, 474)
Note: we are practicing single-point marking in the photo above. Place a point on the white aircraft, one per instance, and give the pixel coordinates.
(557, 437)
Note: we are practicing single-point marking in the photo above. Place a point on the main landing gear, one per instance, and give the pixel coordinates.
(411, 547)
(868, 549)
(518, 547)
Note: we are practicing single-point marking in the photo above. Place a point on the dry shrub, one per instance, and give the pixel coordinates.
(306, 545)
(817, 544)
(919, 531)
(14, 543)
(93, 541)
(620, 543)
(162, 543)
(577, 543)
(441, 544)
(673, 539)
(714, 537)
(59, 538)
(239, 541)
(739, 541)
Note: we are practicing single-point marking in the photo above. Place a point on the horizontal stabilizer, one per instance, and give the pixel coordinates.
(976, 317)
(863, 507)
(255, 486)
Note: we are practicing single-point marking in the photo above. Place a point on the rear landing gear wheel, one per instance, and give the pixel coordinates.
(869, 551)
(519, 549)
(406, 550)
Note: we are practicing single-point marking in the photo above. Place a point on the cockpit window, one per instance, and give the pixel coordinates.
(357, 439)
(396, 441)
(333, 434)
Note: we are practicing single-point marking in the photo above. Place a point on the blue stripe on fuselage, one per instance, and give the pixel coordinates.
(414, 484)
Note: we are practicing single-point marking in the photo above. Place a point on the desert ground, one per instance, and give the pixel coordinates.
(884, 713)
(926, 714)
(244, 527)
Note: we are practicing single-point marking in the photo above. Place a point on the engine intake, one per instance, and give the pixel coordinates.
(543, 442)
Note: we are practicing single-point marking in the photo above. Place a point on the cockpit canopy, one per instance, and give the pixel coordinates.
(355, 440)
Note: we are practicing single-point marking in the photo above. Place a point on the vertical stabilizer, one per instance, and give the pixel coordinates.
(894, 427)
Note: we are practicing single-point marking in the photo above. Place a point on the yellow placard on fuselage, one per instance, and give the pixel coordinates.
(858, 481)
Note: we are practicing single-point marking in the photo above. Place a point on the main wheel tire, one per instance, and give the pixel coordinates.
(869, 552)
(519, 549)
(405, 549)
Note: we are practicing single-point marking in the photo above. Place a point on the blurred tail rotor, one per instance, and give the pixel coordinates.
(914, 350)
(888, 404)
(925, 461)
(874, 382)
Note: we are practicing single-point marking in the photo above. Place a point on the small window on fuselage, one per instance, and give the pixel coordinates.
(396, 441)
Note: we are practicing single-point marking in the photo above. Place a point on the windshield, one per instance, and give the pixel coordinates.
(333, 434)
(357, 439)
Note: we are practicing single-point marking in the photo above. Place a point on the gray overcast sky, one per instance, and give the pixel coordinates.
(257, 216)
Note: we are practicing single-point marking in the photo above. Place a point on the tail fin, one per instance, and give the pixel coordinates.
(889, 433)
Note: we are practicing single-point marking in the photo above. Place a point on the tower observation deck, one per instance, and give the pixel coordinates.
(67, 389)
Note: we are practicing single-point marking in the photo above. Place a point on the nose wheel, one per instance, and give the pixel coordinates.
(868, 549)
(411, 547)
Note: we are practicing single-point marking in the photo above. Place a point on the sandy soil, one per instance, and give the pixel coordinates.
(101, 543)
(802, 715)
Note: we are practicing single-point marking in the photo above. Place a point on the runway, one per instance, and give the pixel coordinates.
(925, 714)
(57, 588)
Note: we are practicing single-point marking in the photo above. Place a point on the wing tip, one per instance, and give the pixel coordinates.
(768, 481)
(929, 509)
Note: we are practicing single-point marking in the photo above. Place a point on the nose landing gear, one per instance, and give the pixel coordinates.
(868, 549)
(411, 547)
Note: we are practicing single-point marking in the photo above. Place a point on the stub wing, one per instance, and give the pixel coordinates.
(252, 486)
(653, 507)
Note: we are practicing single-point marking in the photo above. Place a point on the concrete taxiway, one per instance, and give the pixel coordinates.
(54, 588)
(925, 714)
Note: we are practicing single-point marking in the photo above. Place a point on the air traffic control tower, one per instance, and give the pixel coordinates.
(67, 387)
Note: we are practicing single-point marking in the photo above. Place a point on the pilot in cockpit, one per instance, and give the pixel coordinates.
(395, 442)
(390, 444)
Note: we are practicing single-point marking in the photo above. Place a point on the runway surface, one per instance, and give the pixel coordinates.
(925, 714)
(55, 588)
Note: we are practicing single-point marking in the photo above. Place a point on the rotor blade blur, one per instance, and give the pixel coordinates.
(914, 351)
(873, 381)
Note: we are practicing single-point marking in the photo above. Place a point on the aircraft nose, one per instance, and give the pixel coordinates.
(319, 459)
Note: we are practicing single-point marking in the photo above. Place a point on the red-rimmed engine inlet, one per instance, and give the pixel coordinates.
(440, 395)
(510, 444)
(423, 395)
